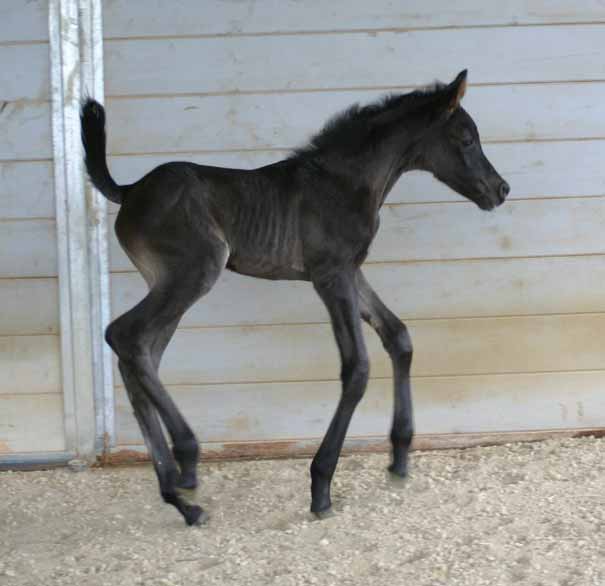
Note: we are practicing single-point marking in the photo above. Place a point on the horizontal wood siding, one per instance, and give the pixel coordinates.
(36, 242)
(31, 79)
(299, 62)
(185, 123)
(274, 411)
(26, 131)
(31, 404)
(31, 423)
(506, 309)
(27, 21)
(125, 18)
(29, 306)
(493, 345)
(500, 287)
(23, 21)
(179, 125)
(26, 190)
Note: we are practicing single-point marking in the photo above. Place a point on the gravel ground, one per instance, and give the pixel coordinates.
(517, 514)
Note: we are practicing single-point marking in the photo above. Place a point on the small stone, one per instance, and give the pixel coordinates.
(76, 465)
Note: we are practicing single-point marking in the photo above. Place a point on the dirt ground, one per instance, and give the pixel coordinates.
(529, 513)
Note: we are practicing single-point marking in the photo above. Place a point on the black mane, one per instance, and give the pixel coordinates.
(355, 124)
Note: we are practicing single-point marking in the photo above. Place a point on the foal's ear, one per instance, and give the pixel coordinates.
(456, 91)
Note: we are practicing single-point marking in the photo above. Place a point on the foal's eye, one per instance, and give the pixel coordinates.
(467, 141)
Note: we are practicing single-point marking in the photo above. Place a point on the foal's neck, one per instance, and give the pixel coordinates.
(368, 149)
(382, 163)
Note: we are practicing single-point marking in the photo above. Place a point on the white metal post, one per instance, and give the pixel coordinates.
(91, 53)
(77, 71)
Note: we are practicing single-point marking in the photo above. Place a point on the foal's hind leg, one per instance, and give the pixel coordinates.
(155, 441)
(139, 338)
(185, 451)
(397, 342)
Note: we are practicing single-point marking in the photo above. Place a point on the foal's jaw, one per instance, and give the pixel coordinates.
(486, 194)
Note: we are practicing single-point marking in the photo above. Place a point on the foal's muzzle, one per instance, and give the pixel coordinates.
(494, 196)
(503, 191)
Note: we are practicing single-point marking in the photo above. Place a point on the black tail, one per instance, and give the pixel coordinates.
(92, 118)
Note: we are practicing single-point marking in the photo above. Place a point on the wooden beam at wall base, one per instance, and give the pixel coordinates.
(221, 452)
(224, 452)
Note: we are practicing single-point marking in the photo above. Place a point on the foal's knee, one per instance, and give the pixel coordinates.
(355, 374)
(399, 344)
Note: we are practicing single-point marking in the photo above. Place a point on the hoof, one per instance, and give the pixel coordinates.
(196, 516)
(397, 475)
(324, 514)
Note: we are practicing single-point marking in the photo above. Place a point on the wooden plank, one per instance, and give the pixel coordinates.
(518, 228)
(30, 364)
(24, 20)
(26, 130)
(480, 288)
(31, 423)
(29, 306)
(126, 18)
(483, 404)
(31, 78)
(534, 170)
(28, 20)
(26, 190)
(216, 65)
(442, 231)
(443, 347)
(183, 124)
(28, 248)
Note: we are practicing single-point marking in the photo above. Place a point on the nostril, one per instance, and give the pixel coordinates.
(504, 189)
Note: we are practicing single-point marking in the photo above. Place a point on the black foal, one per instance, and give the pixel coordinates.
(312, 217)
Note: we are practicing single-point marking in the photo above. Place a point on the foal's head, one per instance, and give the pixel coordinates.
(452, 151)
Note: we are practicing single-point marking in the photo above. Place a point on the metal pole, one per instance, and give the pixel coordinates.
(75, 54)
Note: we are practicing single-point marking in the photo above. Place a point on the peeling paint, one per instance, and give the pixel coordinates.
(563, 411)
(580, 409)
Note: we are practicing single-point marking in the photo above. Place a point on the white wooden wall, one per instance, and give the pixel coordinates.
(507, 310)
(31, 404)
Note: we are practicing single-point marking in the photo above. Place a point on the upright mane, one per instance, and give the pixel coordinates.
(355, 124)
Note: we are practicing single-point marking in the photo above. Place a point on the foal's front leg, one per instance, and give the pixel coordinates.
(340, 297)
(397, 342)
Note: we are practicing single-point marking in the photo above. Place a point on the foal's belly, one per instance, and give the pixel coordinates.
(267, 269)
